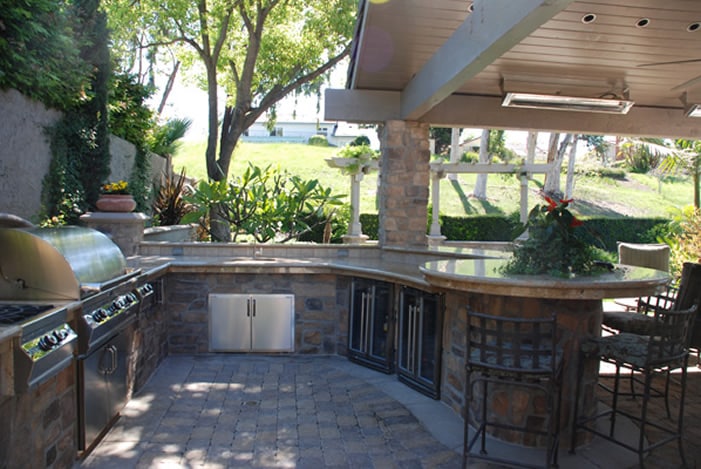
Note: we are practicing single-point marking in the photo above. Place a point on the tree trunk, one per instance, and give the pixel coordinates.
(455, 152)
(556, 156)
(531, 147)
(569, 186)
(480, 191)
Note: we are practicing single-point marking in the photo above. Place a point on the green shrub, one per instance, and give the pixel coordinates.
(370, 224)
(603, 233)
(266, 204)
(612, 173)
(360, 141)
(606, 232)
(318, 141)
(334, 226)
(486, 228)
(469, 157)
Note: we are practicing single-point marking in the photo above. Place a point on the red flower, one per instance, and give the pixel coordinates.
(576, 222)
(552, 205)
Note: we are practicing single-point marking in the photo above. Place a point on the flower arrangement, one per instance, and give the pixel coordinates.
(119, 187)
(554, 245)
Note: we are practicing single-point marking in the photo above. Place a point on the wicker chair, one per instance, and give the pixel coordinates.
(664, 349)
(653, 256)
(513, 352)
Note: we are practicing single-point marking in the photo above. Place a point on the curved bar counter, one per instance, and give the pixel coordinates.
(479, 284)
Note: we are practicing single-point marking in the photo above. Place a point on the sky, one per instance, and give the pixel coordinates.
(187, 100)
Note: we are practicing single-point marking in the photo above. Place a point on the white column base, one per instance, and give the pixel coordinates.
(355, 239)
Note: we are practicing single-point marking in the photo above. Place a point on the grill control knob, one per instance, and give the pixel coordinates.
(60, 334)
(47, 342)
(99, 315)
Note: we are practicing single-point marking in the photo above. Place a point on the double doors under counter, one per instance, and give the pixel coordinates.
(397, 329)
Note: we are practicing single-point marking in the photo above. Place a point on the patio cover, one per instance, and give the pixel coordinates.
(449, 62)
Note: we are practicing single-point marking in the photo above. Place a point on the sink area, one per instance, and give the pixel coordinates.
(235, 260)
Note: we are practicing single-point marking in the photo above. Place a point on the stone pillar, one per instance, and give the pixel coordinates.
(405, 175)
(126, 230)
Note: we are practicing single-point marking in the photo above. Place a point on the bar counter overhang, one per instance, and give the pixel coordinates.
(577, 303)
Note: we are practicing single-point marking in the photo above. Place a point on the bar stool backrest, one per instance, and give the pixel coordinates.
(512, 345)
(672, 331)
(689, 294)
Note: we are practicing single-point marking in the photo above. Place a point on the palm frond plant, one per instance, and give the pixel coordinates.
(169, 205)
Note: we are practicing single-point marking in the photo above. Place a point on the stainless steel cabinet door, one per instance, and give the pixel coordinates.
(272, 323)
(251, 323)
(229, 323)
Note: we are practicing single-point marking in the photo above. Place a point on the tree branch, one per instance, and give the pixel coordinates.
(278, 92)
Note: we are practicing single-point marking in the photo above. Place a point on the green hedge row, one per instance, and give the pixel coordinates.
(602, 232)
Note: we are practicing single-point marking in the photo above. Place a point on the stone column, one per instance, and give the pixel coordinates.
(405, 175)
(125, 229)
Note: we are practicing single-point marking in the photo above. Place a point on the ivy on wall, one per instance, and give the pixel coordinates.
(79, 141)
(40, 52)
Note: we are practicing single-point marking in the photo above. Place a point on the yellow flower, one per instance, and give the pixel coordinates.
(119, 187)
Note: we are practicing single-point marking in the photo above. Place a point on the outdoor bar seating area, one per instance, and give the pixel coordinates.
(504, 351)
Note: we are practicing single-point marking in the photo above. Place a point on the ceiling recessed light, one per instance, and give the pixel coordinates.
(588, 18)
(695, 26)
(642, 23)
(471, 7)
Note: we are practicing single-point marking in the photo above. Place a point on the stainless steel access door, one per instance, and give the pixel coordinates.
(251, 323)
(272, 324)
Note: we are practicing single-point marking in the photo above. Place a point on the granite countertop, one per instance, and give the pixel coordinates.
(485, 276)
(378, 268)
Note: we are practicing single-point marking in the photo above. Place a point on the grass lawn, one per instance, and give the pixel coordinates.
(638, 195)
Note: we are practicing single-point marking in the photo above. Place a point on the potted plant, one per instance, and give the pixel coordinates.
(115, 197)
(355, 159)
(554, 245)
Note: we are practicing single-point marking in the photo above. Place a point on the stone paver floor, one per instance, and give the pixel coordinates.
(256, 411)
(241, 411)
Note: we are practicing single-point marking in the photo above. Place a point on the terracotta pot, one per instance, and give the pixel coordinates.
(116, 203)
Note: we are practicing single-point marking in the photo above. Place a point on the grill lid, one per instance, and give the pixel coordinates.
(53, 263)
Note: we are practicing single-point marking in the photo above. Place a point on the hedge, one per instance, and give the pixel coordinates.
(602, 232)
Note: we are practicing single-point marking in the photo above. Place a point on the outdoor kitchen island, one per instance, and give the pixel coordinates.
(576, 303)
(321, 278)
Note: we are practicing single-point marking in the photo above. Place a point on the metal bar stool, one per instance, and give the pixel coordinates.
(516, 352)
(665, 349)
(641, 321)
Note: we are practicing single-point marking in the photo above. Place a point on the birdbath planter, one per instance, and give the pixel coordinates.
(356, 168)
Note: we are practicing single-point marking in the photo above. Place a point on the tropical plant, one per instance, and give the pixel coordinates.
(643, 155)
(165, 138)
(684, 239)
(554, 245)
(264, 203)
(169, 204)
